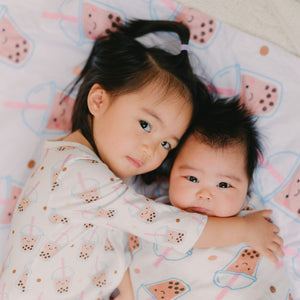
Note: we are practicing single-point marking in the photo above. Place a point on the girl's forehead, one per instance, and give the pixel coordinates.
(160, 92)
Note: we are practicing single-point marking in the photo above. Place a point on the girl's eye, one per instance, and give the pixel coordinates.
(192, 179)
(166, 145)
(224, 185)
(145, 125)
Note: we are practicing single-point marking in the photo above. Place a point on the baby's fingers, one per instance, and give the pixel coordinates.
(276, 249)
(270, 255)
(275, 228)
(278, 240)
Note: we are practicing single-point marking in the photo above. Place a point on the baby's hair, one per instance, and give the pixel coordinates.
(226, 122)
(120, 65)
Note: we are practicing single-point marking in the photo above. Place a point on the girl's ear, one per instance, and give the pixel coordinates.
(97, 100)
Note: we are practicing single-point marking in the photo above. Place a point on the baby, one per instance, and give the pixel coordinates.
(211, 175)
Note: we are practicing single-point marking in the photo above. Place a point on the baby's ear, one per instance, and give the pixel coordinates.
(97, 100)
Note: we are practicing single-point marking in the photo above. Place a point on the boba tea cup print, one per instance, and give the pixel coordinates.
(41, 54)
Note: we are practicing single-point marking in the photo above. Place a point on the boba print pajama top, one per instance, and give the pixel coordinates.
(68, 237)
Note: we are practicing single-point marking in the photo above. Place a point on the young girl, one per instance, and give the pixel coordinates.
(68, 234)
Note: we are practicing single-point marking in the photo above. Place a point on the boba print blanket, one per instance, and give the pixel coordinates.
(43, 46)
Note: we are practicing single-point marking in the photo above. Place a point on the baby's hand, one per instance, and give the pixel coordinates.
(262, 235)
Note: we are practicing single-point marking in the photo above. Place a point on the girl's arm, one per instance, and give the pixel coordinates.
(125, 288)
(253, 229)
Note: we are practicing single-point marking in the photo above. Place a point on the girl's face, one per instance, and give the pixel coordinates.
(134, 132)
(210, 181)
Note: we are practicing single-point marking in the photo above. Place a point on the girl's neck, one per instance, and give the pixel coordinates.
(77, 137)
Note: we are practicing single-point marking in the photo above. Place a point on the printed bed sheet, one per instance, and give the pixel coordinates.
(43, 45)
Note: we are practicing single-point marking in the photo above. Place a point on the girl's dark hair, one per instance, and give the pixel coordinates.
(121, 64)
(225, 122)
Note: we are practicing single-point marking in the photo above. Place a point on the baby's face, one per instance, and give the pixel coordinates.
(210, 181)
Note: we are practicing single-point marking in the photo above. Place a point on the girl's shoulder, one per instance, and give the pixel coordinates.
(71, 157)
(70, 149)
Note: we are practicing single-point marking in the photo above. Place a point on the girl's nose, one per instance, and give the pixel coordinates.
(147, 150)
(204, 194)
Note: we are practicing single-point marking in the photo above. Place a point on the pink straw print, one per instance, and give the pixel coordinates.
(169, 4)
(59, 16)
(65, 161)
(130, 203)
(23, 105)
(31, 225)
(7, 256)
(221, 90)
(64, 233)
(3, 290)
(32, 190)
(93, 233)
(80, 179)
(271, 169)
(226, 289)
(162, 257)
(63, 268)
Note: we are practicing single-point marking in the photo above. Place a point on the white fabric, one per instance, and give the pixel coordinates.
(55, 47)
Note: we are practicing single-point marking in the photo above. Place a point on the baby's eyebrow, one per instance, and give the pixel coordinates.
(188, 167)
(230, 176)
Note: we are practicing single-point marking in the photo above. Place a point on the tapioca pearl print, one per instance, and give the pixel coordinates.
(103, 213)
(134, 242)
(89, 196)
(115, 21)
(88, 225)
(271, 92)
(108, 246)
(252, 254)
(18, 51)
(204, 29)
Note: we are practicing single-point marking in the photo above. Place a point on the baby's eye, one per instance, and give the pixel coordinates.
(166, 145)
(224, 185)
(192, 179)
(145, 125)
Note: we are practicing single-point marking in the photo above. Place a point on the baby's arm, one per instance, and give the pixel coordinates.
(125, 288)
(253, 229)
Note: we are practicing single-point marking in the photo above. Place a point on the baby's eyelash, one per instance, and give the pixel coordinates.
(192, 179)
(224, 185)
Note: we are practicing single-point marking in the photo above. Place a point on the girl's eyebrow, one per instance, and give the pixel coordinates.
(155, 116)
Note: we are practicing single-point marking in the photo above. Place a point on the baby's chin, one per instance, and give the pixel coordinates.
(200, 210)
(207, 212)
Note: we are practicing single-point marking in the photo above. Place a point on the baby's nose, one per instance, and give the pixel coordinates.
(204, 194)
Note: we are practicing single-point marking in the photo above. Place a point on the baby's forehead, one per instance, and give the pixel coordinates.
(197, 144)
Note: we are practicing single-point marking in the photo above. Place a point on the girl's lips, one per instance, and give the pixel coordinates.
(137, 163)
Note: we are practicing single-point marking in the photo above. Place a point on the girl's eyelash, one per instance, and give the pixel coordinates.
(145, 125)
(169, 147)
